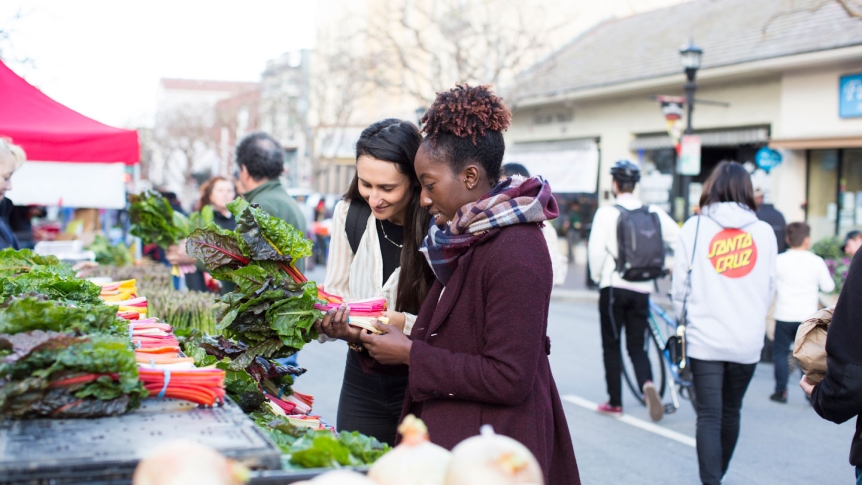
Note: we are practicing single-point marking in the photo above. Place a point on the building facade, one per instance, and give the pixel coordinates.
(770, 78)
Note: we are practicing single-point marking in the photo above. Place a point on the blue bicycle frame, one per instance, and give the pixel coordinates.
(657, 312)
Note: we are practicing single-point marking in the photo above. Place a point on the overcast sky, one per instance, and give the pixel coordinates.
(104, 58)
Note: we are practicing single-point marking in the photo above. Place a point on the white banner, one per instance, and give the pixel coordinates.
(87, 185)
(568, 171)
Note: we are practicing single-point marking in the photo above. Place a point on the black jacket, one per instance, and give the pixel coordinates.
(7, 237)
(770, 215)
(839, 396)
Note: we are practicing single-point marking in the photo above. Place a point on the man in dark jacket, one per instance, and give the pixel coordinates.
(770, 215)
(839, 396)
(261, 162)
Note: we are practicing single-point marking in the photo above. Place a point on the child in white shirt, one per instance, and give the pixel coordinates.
(801, 274)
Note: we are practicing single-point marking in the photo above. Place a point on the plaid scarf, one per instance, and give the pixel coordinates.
(516, 200)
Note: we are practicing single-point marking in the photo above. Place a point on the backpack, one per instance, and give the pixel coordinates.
(640, 254)
(357, 221)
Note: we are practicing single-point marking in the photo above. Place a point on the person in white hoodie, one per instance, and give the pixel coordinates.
(723, 283)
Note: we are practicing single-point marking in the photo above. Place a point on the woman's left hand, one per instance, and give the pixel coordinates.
(391, 347)
(396, 319)
(806, 386)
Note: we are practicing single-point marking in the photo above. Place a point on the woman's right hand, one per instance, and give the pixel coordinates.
(334, 325)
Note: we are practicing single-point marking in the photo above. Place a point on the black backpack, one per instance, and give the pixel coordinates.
(640, 253)
(357, 221)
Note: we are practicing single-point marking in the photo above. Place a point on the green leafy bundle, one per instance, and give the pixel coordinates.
(106, 253)
(156, 222)
(34, 311)
(63, 375)
(53, 282)
(308, 448)
(14, 263)
(272, 308)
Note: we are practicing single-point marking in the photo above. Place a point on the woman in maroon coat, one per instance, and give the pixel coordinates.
(479, 350)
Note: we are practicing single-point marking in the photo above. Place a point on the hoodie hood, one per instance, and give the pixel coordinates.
(730, 214)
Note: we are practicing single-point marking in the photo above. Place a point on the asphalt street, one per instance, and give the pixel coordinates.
(778, 444)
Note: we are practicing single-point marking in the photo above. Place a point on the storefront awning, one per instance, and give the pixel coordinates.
(817, 143)
(570, 166)
(716, 138)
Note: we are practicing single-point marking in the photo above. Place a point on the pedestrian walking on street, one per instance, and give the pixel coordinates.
(478, 353)
(723, 283)
(624, 290)
(801, 275)
(374, 252)
(838, 397)
(769, 214)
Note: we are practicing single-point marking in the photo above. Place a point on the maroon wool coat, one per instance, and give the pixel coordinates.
(480, 353)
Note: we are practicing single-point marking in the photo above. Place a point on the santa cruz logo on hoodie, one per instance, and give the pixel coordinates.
(733, 253)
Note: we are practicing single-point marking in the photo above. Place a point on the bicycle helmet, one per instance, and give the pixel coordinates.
(626, 171)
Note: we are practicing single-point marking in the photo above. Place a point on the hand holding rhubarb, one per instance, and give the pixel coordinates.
(335, 325)
(391, 347)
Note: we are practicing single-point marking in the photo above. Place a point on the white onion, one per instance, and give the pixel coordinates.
(492, 459)
(184, 462)
(415, 461)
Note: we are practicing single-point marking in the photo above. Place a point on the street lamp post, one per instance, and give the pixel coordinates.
(691, 56)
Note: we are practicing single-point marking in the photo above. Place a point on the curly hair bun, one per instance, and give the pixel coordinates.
(466, 111)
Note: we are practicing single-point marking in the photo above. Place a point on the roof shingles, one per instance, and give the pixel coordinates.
(730, 32)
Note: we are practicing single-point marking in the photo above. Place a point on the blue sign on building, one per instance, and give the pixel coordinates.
(767, 159)
(850, 96)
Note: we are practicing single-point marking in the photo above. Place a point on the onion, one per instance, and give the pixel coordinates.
(338, 477)
(184, 462)
(492, 459)
(415, 461)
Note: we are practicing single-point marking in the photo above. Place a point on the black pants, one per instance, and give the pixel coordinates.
(719, 388)
(785, 335)
(624, 310)
(370, 403)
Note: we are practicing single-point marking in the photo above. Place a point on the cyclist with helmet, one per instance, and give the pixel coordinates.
(623, 299)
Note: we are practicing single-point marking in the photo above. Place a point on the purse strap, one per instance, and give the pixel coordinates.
(683, 318)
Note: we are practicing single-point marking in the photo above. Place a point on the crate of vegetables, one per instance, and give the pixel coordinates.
(106, 450)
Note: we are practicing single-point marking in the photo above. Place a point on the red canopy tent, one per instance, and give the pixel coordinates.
(68, 154)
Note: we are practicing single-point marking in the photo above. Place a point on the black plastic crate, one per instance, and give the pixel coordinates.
(107, 450)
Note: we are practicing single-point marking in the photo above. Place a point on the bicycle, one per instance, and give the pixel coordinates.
(659, 356)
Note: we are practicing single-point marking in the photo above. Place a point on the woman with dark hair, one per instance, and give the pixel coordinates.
(374, 252)
(478, 353)
(723, 283)
(218, 192)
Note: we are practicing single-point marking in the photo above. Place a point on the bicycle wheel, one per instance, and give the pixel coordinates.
(657, 366)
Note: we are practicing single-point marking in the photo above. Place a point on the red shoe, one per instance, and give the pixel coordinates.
(606, 408)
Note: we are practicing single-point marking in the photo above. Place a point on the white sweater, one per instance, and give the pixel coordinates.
(602, 247)
(360, 276)
(801, 274)
(732, 282)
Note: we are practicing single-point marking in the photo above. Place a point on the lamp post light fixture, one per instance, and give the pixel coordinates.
(690, 56)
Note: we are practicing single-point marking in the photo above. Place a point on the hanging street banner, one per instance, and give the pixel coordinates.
(689, 156)
(672, 109)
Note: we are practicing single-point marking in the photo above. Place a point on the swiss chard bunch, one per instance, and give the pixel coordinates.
(17, 262)
(63, 375)
(52, 281)
(156, 222)
(35, 311)
(272, 308)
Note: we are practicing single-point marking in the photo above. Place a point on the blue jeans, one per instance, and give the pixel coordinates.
(859, 475)
(719, 388)
(785, 334)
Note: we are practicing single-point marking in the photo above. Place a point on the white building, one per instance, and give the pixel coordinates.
(777, 64)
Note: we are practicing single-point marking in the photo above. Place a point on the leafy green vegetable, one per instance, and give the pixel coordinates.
(61, 375)
(106, 253)
(53, 282)
(36, 312)
(156, 222)
(218, 249)
(268, 238)
(14, 263)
